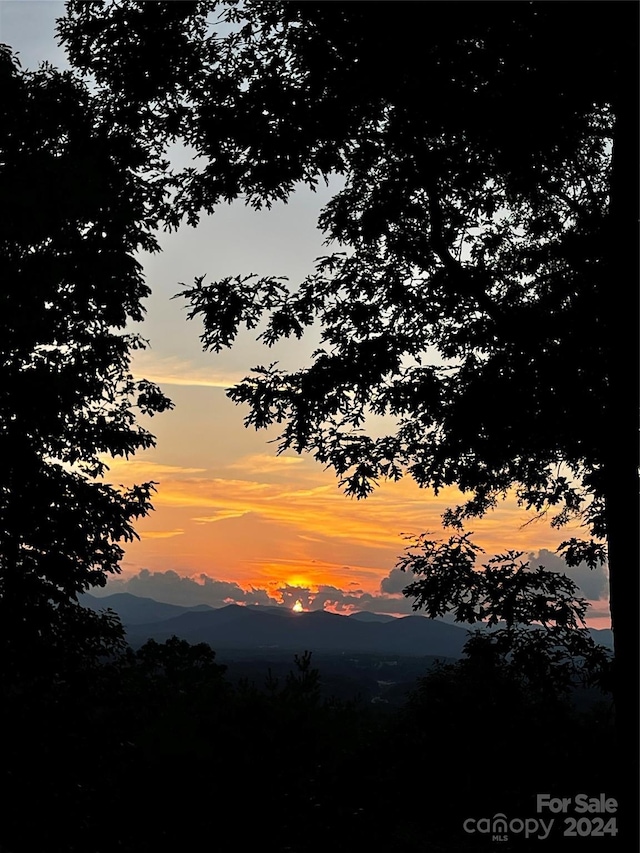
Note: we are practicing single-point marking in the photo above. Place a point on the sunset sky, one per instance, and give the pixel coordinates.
(229, 514)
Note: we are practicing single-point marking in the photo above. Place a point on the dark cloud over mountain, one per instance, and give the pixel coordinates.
(395, 581)
(592, 582)
(171, 587)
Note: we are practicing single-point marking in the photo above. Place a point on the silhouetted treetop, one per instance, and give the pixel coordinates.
(76, 213)
(302, 89)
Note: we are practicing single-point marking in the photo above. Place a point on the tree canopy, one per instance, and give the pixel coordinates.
(76, 213)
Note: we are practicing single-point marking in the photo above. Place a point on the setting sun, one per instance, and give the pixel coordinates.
(298, 580)
(297, 607)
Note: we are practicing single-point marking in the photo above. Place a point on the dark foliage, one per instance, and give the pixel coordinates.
(76, 211)
(157, 750)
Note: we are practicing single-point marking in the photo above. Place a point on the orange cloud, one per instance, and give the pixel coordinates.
(162, 534)
(170, 370)
(219, 515)
(137, 470)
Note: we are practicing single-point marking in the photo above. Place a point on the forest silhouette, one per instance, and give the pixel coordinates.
(490, 211)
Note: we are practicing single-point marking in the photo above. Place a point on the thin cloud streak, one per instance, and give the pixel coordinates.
(162, 534)
(263, 463)
(169, 370)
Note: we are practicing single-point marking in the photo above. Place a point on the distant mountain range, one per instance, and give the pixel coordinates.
(280, 629)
